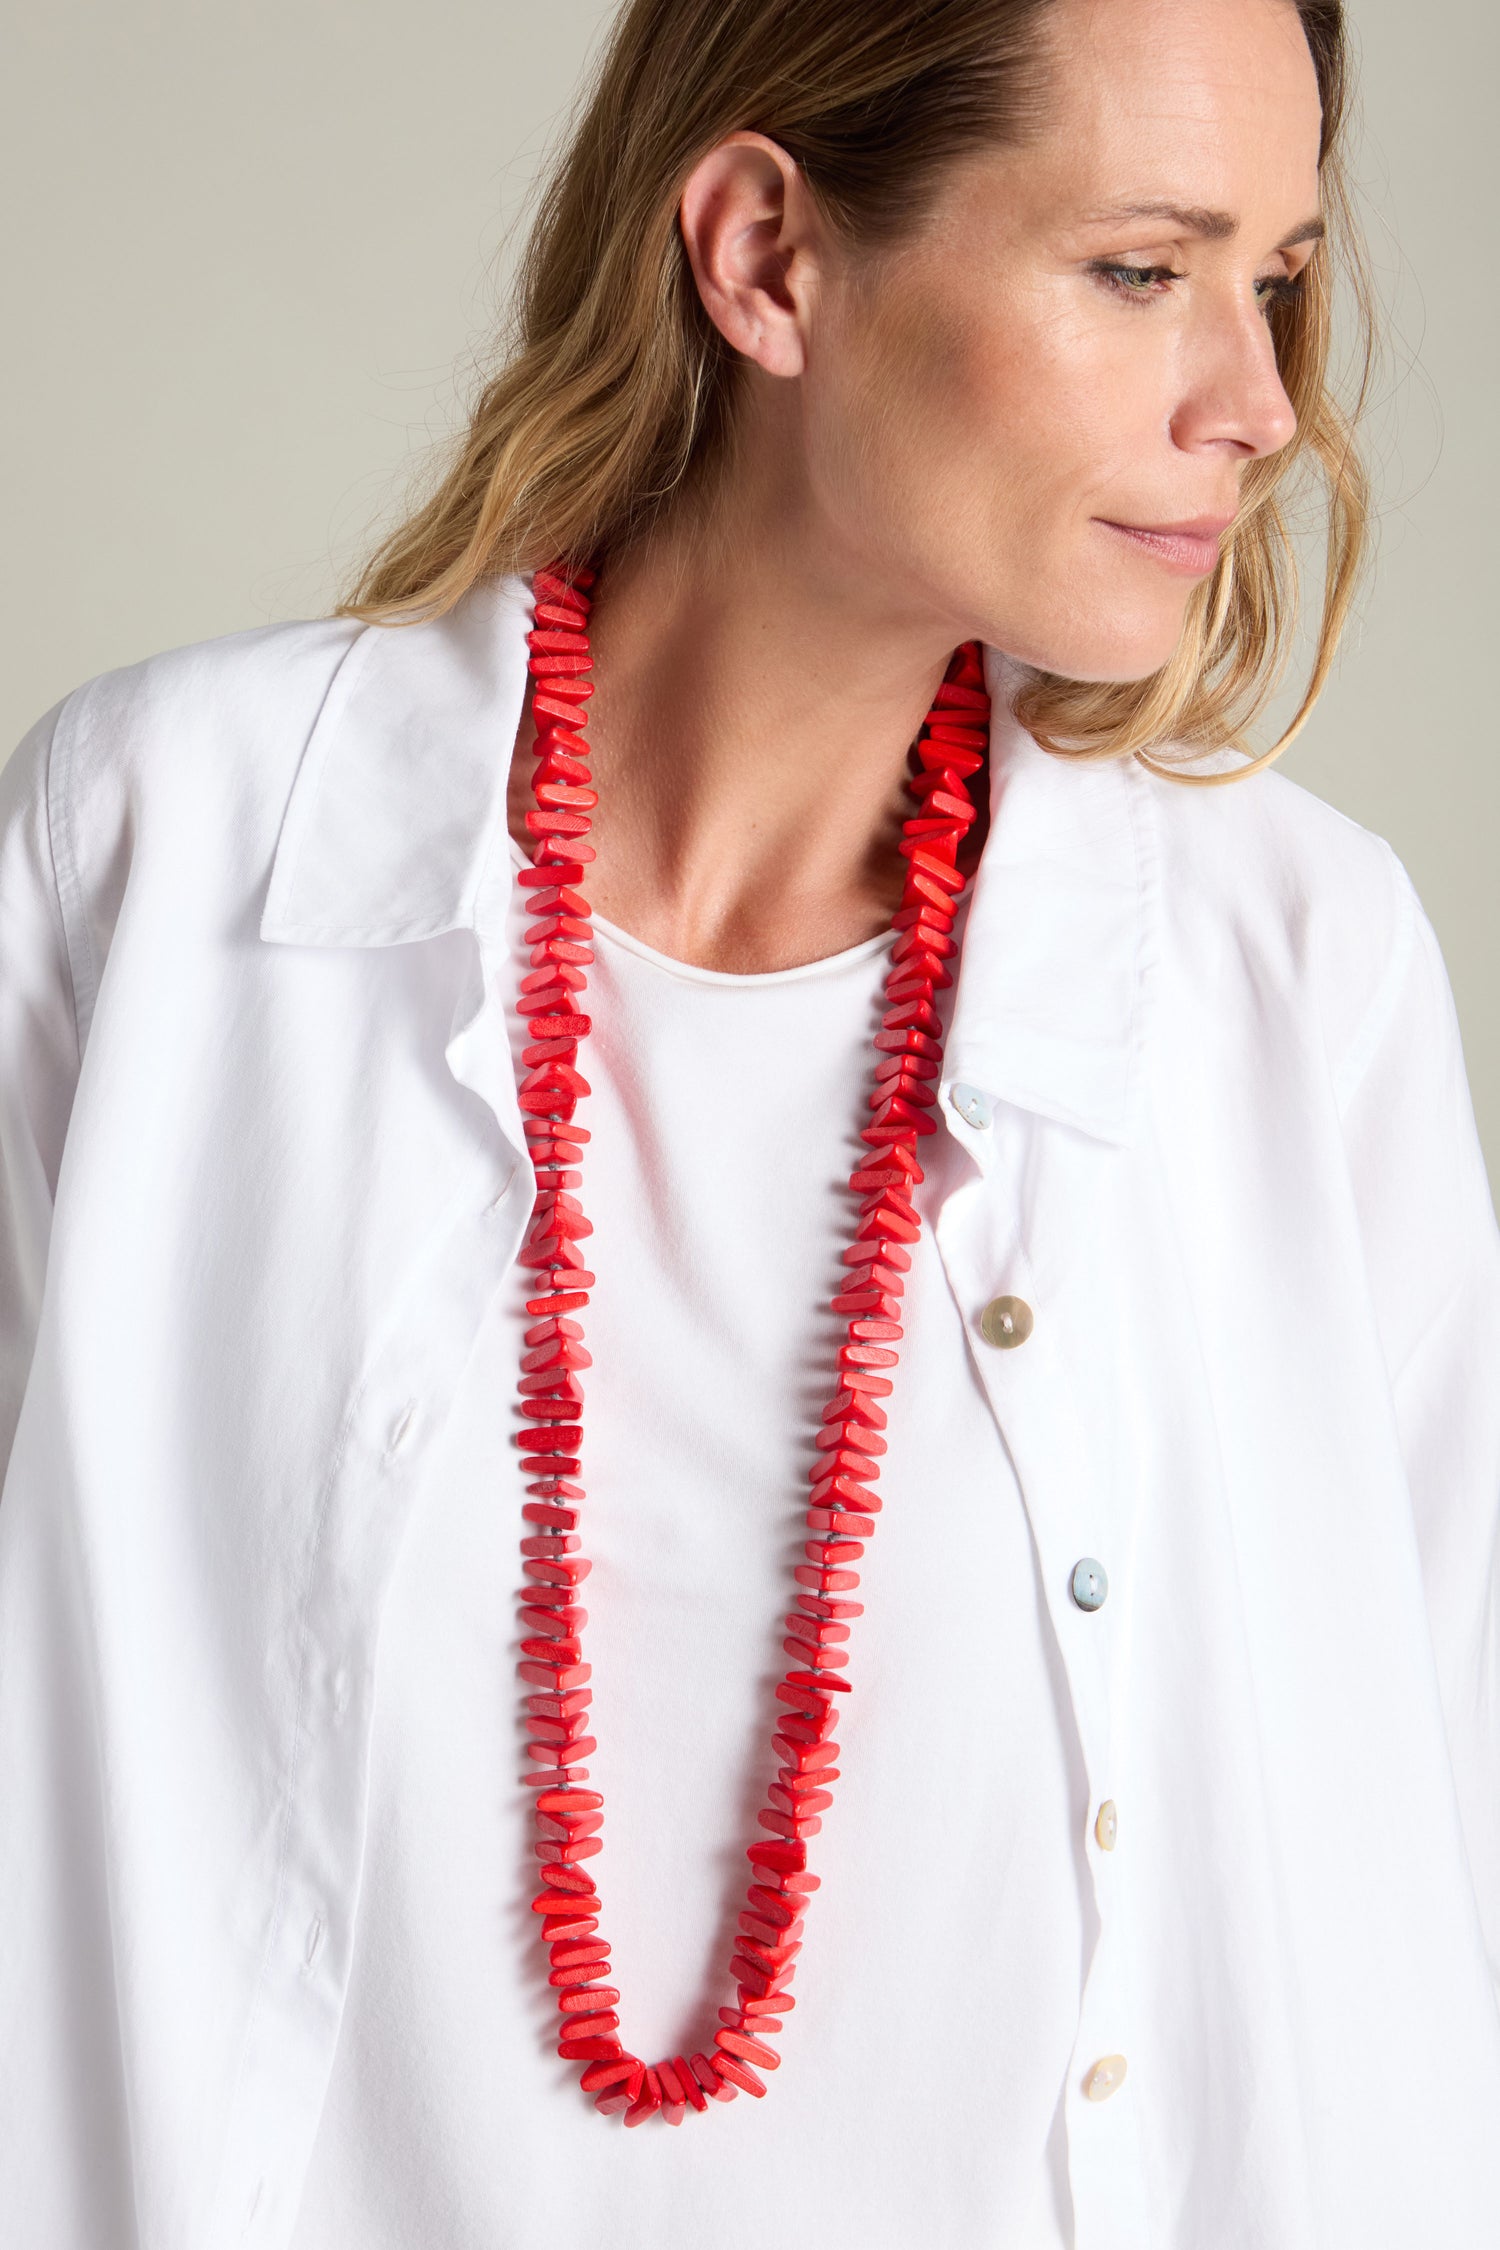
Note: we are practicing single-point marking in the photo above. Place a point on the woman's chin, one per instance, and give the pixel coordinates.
(1090, 630)
(1111, 663)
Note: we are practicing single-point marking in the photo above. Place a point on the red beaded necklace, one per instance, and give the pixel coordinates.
(841, 1515)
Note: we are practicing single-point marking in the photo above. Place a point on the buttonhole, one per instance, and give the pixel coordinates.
(398, 1434)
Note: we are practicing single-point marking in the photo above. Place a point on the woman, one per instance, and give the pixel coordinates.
(870, 1134)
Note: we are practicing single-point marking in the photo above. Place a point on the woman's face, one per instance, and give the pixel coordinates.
(984, 405)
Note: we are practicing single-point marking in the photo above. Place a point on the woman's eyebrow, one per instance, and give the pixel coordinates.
(1216, 226)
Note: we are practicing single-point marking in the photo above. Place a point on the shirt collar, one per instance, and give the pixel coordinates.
(400, 800)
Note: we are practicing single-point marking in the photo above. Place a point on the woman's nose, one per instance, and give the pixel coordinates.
(1235, 397)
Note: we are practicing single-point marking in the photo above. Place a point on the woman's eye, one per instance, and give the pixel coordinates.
(1134, 281)
(1280, 289)
(1143, 283)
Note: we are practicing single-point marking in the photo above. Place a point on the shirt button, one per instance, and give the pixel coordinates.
(972, 1106)
(1105, 2076)
(1089, 1583)
(1106, 1825)
(1005, 1321)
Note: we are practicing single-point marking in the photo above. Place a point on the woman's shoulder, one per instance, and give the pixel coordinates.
(1270, 853)
(1275, 898)
(193, 713)
(166, 781)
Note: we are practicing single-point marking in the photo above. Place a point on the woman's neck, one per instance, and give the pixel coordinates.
(748, 736)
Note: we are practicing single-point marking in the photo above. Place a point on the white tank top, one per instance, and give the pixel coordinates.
(938, 1990)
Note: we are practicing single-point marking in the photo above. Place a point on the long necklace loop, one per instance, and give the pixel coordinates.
(844, 1503)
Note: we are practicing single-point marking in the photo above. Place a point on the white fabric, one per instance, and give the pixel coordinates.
(261, 1185)
(723, 1113)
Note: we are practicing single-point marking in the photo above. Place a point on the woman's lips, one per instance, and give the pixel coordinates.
(1191, 549)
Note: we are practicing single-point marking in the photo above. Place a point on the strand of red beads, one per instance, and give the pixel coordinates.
(951, 747)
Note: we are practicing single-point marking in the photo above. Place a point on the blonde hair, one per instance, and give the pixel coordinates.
(616, 390)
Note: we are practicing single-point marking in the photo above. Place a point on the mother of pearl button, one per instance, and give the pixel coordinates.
(1005, 1321)
(1089, 1583)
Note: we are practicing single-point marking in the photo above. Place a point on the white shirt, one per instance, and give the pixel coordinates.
(724, 1114)
(250, 1241)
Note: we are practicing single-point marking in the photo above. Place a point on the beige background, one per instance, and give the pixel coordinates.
(253, 250)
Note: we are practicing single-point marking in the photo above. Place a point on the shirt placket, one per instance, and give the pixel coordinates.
(1019, 1240)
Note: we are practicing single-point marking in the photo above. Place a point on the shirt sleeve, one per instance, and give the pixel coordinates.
(39, 1057)
(1433, 1257)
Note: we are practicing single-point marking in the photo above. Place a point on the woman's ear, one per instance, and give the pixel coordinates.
(752, 235)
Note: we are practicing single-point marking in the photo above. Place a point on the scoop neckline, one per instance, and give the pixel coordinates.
(753, 979)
